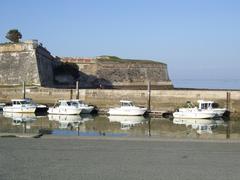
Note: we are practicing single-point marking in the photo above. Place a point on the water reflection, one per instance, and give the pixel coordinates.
(70, 121)
(65, 121)
(89, 125)
(127, 122)
(200, 125)
(20, 117)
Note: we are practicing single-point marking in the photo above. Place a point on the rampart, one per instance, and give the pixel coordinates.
(121, 73)
(27, 61)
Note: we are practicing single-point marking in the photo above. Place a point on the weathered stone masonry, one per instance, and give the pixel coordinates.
(27, 62)
(30, 62)
(127, 73)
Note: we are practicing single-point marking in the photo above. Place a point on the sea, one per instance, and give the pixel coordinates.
(231, 84)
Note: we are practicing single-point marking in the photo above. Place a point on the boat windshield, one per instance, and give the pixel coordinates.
(74, 104)
(127, 104)
(57, 104)
(20, 102)
(25, 102)
(80, 102)
(206, 105)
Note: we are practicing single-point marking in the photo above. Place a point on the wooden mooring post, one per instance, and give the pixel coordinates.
(149, 96)
(24, 90)
(228, 101)
(77, 89)
(71, 93)
(229, 126)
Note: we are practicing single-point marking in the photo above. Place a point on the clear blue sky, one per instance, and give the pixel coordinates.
(198, 39)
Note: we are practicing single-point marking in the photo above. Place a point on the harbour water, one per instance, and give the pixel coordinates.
(119, 126)
(207, 83)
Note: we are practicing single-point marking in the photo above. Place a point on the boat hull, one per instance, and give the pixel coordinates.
(218, 111)
(194, 115)
(19, 109)
(66, 111)
(126, 112)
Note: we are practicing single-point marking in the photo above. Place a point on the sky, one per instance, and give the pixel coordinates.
(199, 40)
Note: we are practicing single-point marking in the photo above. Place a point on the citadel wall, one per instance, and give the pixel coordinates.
(123, 74)
(27, 61)
(30, 62)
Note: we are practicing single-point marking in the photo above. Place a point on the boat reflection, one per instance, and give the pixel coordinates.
(200, 125)
(127, 122)
(86, 117)
(65, 121)
(19, 118)
(70, 121)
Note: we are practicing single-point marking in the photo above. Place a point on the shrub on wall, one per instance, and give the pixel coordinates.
(13, 35)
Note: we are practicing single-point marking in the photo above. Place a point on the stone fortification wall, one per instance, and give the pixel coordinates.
(27, 61)
(105, 98)
(87, 66)
(18, 63)
(45, 65)
(134, 74)
(124, 73)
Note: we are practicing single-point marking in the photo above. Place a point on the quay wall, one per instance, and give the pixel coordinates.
(161, 100)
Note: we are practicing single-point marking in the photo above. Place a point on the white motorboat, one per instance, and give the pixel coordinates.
(194, 113)
(127, 109)
(64, 107)
(86, 109)
(1, 106)
(205, 106)
(20, 106)
(127, 122)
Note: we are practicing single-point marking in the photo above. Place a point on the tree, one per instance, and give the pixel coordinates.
(14, 35)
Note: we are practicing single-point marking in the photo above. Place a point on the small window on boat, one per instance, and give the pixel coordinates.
(204, 106)
(75, 104)
(125, 104)
(18, 103)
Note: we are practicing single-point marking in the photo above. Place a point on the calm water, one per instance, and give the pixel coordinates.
(207, 83)
(119, 126)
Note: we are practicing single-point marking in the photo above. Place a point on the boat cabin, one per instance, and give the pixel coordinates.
(62, 103)
(125, 103)
(20, 102)
(206, 104)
